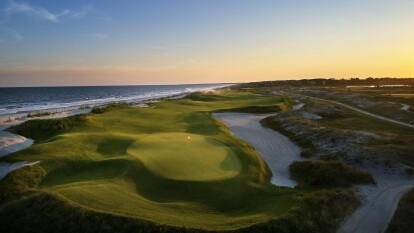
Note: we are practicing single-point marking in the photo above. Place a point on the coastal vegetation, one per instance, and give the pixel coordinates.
(20, 182)
(403, 220)
(100, 169)
(328, 173)
(42, 129)
(108, 107)
(40, 114)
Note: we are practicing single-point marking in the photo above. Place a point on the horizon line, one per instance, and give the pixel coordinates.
(292, 79)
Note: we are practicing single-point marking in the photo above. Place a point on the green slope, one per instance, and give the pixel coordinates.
(173, 164)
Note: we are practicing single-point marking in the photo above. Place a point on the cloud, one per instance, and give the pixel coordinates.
(73, 14)
(25, 8)
(42, 13)
(11, 33)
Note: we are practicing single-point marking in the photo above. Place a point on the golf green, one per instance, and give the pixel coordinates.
(181, 156)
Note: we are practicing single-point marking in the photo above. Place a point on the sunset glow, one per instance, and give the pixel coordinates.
(169, 42)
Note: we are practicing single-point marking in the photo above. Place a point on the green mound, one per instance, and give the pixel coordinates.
(181, 156)
(114, 146)
(43, 129)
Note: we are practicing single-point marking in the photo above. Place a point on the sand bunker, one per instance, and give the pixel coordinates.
(275, 149)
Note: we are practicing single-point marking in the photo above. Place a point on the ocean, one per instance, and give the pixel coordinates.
(19, 100)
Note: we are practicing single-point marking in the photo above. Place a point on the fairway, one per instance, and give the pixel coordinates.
(181, 156)
(171, 164)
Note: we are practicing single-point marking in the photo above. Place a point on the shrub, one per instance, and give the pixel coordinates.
(318, 212)
(403, 220)
(328, 173)
(43, 129)
(109, 107)
(20, 181)
(255, 109)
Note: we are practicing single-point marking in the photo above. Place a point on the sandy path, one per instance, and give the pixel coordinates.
(380, 201)
(378, 205)
(275, 149)
(366, 113)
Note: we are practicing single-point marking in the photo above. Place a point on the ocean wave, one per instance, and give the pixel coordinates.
(11, 108)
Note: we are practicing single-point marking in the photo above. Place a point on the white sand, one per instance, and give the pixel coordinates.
(275, 149)
(10, 143)
(405, 107)
(311, 116)
(298, 106)
(140, 105)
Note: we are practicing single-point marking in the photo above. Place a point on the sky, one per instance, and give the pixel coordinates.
(129, 42)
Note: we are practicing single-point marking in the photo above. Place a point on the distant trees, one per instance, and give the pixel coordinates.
(333, 82)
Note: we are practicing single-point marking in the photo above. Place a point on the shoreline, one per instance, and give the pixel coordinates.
(10, 142)
(90, 103)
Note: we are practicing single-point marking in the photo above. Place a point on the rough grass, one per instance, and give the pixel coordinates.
(255, 109)
(108, 107)
(43, 129)
(20, 182)
(403, 220)
(382, 101)
(328, 173)
(47, 213)
(318, 211)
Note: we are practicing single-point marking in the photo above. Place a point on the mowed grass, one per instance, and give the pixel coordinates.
(195, 157)
(173, 164)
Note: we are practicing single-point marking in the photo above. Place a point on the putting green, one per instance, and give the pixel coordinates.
(181, 156)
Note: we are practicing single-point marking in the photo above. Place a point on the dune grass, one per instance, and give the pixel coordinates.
(328, 173)
(403, 220)
(306, 144)
(21, 181)
(43, 129)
